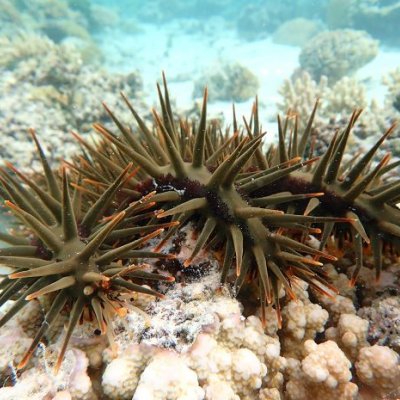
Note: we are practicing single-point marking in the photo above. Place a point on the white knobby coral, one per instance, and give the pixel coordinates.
(168, 377)
(379, 368)
(323, 374)
(302, 321)
(350, 334)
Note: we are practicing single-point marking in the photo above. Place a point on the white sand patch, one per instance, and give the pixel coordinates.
(183, 52)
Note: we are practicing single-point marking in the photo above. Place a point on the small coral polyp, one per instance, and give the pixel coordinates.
(70, 253)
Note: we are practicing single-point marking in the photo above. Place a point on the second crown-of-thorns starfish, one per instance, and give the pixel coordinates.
(73, 251)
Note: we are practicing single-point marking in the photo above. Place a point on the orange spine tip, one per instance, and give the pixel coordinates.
(11, 205)
(352, 282)
(329, 257)
(154, 234)
(24, 361)
(159, 246)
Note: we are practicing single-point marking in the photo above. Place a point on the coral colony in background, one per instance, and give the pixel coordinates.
(140, 207)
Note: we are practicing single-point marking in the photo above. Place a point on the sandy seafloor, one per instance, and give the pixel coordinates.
(184, 56)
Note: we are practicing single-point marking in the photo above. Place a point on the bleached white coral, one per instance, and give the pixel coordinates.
(40, 382)
(122, 374)
(379, 368)
(231, 357)
(53, 91)
(337, 102)
(27, 319)
(323, 374)
(302, 321)
(240, 368)
(33, 387)
(219, 390)
(298, 96)
(341, 302)
(168, 377)
(350, 334)
(228, 81)
(13, 345)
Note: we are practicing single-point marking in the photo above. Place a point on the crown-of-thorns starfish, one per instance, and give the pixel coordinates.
(72, 252)
(356, 189)
(196, 172)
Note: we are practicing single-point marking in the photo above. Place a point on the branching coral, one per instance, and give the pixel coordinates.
(298, 96)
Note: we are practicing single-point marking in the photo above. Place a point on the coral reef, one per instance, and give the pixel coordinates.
(392, 82)
(71, 264)
(336, 54)
(336, 103)
(57, 19)
(257, 20)
(54, 91)
(323, 373)
(298, 95)
(72, 382)
(228, 82)
(230, 358)
(378, 367)
(240, 221)
(383, 316)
